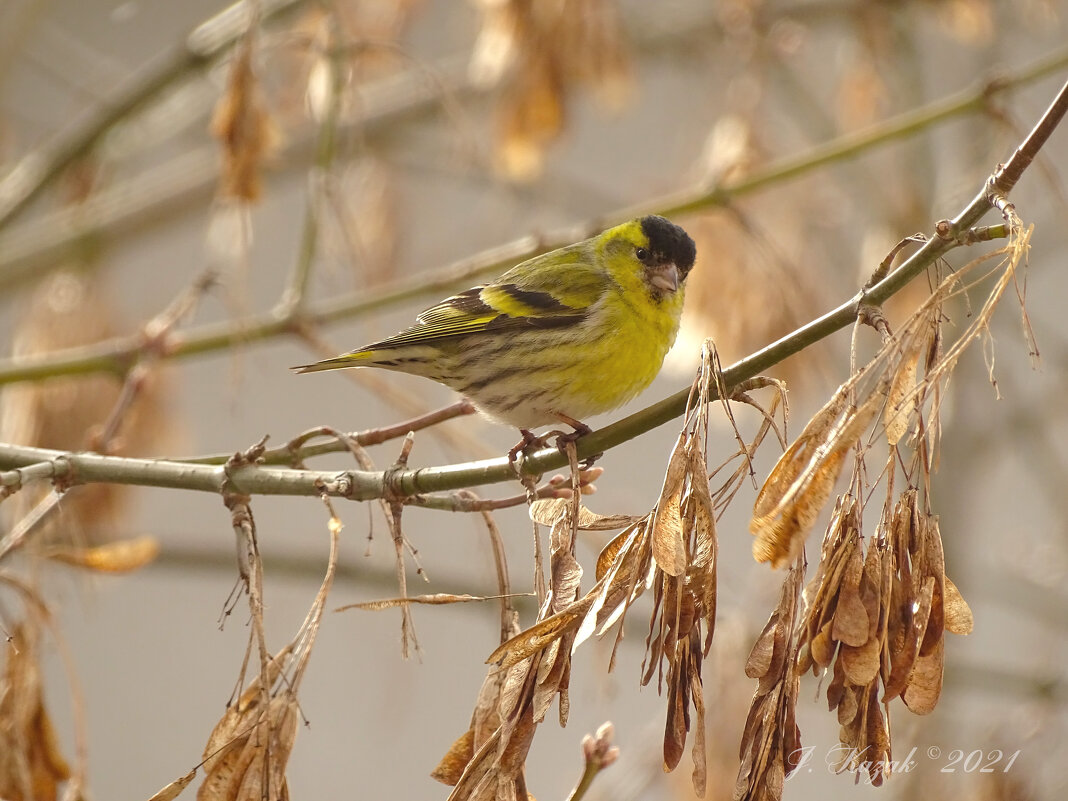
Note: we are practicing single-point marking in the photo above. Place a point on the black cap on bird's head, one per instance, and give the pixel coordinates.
(669, 243)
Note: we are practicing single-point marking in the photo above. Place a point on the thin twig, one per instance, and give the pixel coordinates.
(21, 532)
(407, 482)
(1006, 176)
(465, 501)
(39, 169)
(509, 615)
(297, 450)
(190, 179)
(325, 150)
(392, 510)
(116, 354)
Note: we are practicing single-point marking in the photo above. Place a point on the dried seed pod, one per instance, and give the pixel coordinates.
(801, 482)
(900, 403)
(244, 128)
(31, 765)
(770, 748)
(958, 614)
(541, 52)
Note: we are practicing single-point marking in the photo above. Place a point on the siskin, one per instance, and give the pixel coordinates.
(557, 338)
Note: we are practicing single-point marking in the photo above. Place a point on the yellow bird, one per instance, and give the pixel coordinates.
(558, 338)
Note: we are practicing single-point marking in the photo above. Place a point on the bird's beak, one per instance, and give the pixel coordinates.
(666, 277)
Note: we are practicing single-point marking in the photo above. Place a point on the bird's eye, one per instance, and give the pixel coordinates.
(642, 254)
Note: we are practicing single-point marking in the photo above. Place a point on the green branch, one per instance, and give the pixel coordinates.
(191, 178)
(39, 169)
(68, 469)
(364, 485)
(116, 355)
(23, 464)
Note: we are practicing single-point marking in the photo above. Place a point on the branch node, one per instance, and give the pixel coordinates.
(340, 485)
(12, 483)
(63, 476)
(391, 484)
(994, 85)
(1000, 200)
(868, 314)
(252, 455)
(324, 491)
(238, 504)
(240, 459)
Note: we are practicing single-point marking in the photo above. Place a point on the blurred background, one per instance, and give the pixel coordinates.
(350, 151)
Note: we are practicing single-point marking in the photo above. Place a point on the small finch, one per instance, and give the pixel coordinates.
(558, 338)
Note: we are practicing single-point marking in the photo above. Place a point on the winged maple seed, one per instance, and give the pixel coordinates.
(873, 618)
(121, 556)
(877, 621)
(247, 751)
(771, 740)
(485, 721)
(244, 127)
(802, 480)
(902, 400)
(31, 765)
(684, 548)
(845, 625)
(487, 761)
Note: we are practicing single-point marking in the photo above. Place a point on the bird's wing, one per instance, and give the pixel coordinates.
(528, 296)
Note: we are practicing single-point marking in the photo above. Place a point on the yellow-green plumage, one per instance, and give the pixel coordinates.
(563, 336)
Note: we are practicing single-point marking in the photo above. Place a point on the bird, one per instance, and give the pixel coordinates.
(572, 333)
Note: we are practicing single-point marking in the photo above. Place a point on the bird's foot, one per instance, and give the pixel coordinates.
(530, 441)
(563, 439)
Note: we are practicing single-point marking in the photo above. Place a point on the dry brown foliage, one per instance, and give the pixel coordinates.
(672, 551)
(248, 749)
(244, 128)
(71, 307)
(804, 477)
(871, 621)
(771, 741)
(873, 617)
(538, 54)
(121, 556)
(31, 765)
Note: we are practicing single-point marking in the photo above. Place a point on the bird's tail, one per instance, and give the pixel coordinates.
(354, 359)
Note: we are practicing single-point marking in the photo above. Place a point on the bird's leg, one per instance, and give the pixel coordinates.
(529, 439)
(581, 430)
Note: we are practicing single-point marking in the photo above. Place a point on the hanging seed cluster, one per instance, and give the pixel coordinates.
(672, 551)
(874, 617)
